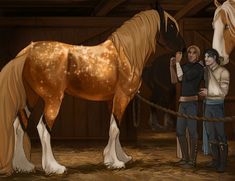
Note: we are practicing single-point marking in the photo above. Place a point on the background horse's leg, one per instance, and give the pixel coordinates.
(20, 161)
(49, 164)
(114, 156)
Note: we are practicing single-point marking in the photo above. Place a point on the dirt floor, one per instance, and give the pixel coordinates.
(153, 155)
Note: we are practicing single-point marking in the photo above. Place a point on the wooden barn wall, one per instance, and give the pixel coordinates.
(200, 32)
(78, 119)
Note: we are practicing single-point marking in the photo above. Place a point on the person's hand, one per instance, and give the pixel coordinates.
(203, 92)
(172, 61)
(178, 56)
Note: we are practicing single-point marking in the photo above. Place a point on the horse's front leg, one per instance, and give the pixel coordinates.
(114, 156)
(49, 164)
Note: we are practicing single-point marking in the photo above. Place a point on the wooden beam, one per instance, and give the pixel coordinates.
(193, 23)
(105, 6)
(172, 7)
(96, 35)
(45, 3)
(199, 7)
(61, 21)
(232, 62)
(187, 8)
(203, 38)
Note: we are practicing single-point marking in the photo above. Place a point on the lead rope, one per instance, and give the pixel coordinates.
(136, 120)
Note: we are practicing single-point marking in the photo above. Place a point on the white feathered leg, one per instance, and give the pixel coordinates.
(110, 153)
(49, 164)
(20, 162)
(120, 153)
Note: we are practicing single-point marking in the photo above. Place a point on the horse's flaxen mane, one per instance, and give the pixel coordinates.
(137, 37)
(229, 9)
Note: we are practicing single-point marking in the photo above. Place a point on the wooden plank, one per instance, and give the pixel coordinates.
(105, 6)
(46, 3)
(193, 23)
(172, 7)
(62, 21)
(199, 7)
(230, 98)
(187, 8)
(97, 36)
(205, 39)
(80, 117)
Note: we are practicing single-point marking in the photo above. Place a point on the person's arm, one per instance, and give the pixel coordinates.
(174, 78)
(224, 81)
(179, 71)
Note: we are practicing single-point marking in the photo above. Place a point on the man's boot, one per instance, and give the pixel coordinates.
(193, 153)
(215, 155)
(223, 152)
(184, 149)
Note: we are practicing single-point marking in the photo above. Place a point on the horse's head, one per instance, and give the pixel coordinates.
(224, 29)
(169, 37)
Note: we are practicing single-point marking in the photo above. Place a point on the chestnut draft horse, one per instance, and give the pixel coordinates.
(110, 71)
(224, 29)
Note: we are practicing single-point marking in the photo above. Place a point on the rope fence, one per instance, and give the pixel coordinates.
(178, 114)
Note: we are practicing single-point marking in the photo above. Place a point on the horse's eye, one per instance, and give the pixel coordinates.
(226, 26)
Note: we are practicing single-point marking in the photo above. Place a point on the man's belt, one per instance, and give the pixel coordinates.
(188, 98)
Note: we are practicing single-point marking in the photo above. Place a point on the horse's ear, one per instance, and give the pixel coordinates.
(217, 4)
(161, 14)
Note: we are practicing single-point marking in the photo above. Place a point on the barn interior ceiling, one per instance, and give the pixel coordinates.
(100, 8)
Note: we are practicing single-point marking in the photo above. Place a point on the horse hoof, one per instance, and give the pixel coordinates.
(26, 168)
(129, 158)
(118, 165)
(61, 170)
(55, 169)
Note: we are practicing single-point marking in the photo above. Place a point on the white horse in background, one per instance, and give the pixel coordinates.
(224, 29)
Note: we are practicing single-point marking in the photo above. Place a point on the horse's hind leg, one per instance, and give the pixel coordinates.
(49, 164)
(20, 161)
(114, 156)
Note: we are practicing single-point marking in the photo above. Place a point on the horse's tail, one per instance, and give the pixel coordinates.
(12, 98)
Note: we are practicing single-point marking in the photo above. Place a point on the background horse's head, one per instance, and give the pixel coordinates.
(224, 29)
(169, 32)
